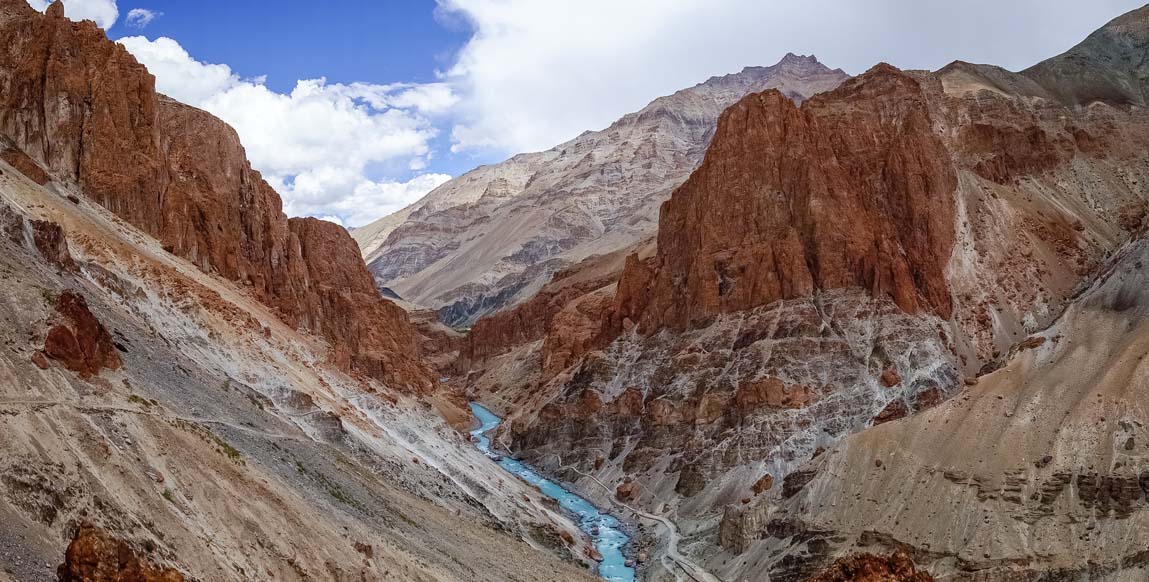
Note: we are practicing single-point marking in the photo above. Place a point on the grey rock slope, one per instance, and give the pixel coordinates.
(493, 236)
(1110, 66)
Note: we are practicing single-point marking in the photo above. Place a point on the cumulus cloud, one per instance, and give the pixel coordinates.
(323, 145)
(534, 74)
(141, 17)
(103, 12)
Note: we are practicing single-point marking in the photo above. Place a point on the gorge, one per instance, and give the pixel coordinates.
(788, 324)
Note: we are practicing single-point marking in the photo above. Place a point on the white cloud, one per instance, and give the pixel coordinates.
(141, 17)
(369, 200)
(537, 73)
(320, 145)
(103, 12)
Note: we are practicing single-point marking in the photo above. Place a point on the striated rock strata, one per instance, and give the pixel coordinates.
(81, 106)
(491, 238)
(838, 266)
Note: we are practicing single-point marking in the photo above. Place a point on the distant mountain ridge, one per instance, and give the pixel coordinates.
(493, 236)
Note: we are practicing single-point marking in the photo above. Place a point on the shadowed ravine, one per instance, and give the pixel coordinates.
(604, 529)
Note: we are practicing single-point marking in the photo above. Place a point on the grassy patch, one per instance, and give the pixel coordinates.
(169, 495)
(333, 489)
(48, 296)
(222, 447)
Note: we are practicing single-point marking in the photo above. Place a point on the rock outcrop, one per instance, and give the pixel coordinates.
(80, 342)
(82, 106)
(491, 238)
(897, 567)
(852, 189)
(368, 334)
(94, 556)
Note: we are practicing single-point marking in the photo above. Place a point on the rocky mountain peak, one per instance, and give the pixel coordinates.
(492, 237)
(1108, 67)
(55, 9)
(724, 247)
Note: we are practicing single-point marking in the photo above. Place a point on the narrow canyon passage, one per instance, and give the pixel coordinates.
(605, 531)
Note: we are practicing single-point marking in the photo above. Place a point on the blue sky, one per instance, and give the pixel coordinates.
(352, 109)
(346, 41)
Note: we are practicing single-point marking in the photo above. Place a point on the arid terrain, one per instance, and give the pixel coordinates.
(843, 287)
(783, 325)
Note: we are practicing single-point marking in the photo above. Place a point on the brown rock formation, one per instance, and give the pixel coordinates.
(532, 320)
(764, 483)
(52, 243)
(81, 106)
(850, 189)
(81, 343)
(897, 567)
(626, 490)
(19, 160)
(368, 333)
(95, 556)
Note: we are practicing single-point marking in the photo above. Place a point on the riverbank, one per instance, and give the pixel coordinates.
(607, 532)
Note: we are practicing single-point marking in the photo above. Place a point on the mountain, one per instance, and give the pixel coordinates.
(837, 279)
(195, 386)
(492, 237)
(1109, 67)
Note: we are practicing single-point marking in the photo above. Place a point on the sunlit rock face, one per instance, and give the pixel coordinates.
(492, 237)
(836, 267)
(752, 393)
(79, 107)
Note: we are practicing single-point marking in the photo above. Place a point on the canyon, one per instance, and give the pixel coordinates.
(837, 270)
(784, 325)
(199, 388)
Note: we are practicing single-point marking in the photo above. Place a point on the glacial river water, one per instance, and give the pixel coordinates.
(604, 529)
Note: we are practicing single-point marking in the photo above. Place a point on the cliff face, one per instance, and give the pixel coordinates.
(81, 106)
(852, 189)
(369, 334)
(829, 268)
(1014, 466)
(491, 238)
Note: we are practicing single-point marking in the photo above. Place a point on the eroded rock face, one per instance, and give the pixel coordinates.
(94, 556)
(368, 333)
(80, 343)
(491, 238)
(81, 106)
(42, 236)
(964, 209)
(755, 393)
(897, 567)
(23, 164)
(852, 189)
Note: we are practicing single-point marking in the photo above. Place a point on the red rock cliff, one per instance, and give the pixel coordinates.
(84, 108)
(850, 189)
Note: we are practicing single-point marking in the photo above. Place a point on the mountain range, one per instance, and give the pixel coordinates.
(785, 325)
(492, 237)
